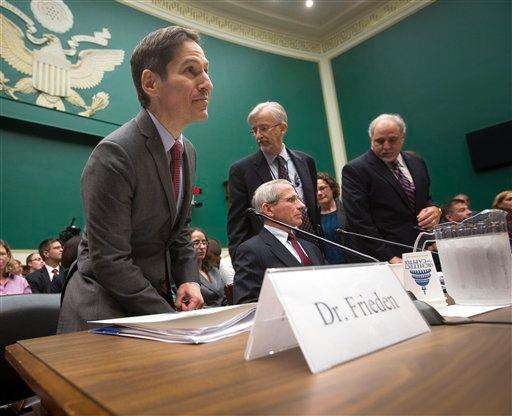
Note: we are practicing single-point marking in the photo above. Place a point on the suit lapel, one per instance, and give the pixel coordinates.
(46, 277)
(305, 177)
(261, 167)
(278, 249)
(382, 170)
(156, 149)
(312, 254)
(187, 177)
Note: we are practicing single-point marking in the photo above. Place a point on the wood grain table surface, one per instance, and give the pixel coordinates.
(453, 370)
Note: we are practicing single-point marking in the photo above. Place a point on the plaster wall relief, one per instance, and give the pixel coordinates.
(54, 72)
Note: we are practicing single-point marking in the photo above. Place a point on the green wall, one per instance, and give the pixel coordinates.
(41, 166)
(447, 70)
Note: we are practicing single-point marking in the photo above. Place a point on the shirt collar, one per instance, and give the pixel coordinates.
(271, 158)
(281, 235)
(399, 160)
(167, 138)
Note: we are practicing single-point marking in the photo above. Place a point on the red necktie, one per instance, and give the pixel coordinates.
(304, 259)
(176, 154)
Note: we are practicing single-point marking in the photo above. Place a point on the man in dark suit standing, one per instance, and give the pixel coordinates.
(137, 190)
(275, 245)
(45, 279)
(386, 192)
(274, 160)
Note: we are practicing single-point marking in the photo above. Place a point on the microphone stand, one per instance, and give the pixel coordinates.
(298, 230)
(342, 231)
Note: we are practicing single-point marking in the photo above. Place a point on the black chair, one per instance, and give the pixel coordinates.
(23, 317)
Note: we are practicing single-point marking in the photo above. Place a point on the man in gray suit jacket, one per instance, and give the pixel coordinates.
(136, 190)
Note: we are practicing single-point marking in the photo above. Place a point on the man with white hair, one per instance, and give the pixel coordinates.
(386, 192)
(275, 245)
(273, 160)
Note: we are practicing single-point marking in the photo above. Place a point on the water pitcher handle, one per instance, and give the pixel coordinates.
(418, 239)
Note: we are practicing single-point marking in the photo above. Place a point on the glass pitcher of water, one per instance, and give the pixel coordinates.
(476, 259)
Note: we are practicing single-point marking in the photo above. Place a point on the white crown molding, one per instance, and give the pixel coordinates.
(228, 29)
(242, 33)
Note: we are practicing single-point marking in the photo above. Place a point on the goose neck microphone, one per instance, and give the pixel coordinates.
(252, 211)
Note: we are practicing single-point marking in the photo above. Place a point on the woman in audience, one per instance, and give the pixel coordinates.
(10, 283)
(212, 285)
(34, 262)
(504, 201)
(332, 216)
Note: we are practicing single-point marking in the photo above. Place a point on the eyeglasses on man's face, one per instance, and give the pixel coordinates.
(263, 128)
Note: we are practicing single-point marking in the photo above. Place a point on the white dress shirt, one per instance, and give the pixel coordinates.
(50, 270)
(292, 171)
(282, 236)
(168, 142)
(403, 168)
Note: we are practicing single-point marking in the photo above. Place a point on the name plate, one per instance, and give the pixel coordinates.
(334, 313)
(420, 277)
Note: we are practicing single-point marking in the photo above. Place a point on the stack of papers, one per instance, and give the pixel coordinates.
(193, 327)
(465, 311)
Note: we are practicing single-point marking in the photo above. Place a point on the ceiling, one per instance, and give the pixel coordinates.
(292, 16)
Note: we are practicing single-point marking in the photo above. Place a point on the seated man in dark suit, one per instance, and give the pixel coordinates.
(275, 245)
(48, 278)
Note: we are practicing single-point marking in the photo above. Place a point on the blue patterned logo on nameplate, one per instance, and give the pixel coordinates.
(420, 270)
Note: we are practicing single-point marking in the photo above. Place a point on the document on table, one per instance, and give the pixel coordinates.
(193, 327)
(465, 311)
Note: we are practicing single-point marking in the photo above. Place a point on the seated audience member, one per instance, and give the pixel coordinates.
(212, 285)
(456, 211)
(10, 282)
(463, 198)
(34, 262)
(332, 216)
(41, 280)
(213, 252)
(274, 245)
(69, 255)
(504, 201)
(17, 267)
(213, 256)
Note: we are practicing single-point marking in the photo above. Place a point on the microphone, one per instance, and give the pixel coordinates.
(252, 211)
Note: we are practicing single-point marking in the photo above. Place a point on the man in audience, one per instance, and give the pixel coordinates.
(137, 191)
(34, 262)
(456, 211)
(386, 192)
(41, 280)
(275, 245)
(273, 160)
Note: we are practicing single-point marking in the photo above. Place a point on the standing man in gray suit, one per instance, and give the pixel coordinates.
(136, 191)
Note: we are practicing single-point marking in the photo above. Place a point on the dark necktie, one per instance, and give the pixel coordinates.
(55, 272)
(408, 186)
(304, 259)
(176, 154)
(282, 168)
(282, 173)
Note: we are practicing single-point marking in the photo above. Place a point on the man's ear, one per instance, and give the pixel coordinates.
(284, 127)
(267, 209)
(150, 82)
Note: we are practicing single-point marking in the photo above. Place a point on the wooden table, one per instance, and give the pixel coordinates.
(453, 370)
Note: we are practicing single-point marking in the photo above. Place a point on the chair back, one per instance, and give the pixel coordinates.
(23, 317)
